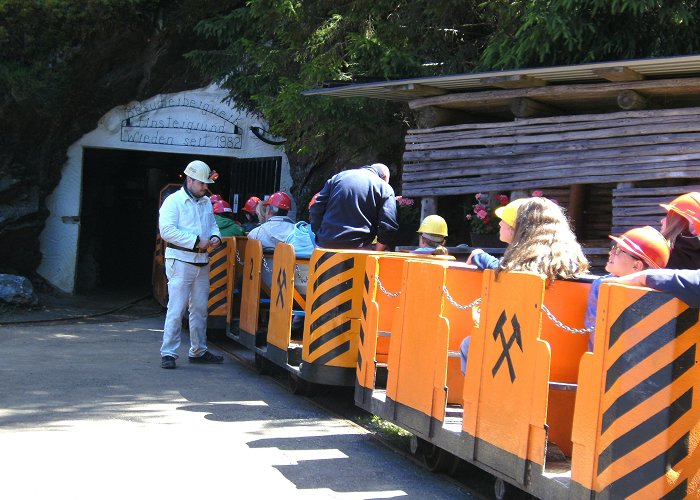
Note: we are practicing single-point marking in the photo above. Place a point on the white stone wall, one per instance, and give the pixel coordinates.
(191, 122)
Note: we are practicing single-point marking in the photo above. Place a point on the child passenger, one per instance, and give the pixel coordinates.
(636, 250)
(432, 234)
(540, 241)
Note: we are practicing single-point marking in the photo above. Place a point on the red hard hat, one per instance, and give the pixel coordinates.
(313, 200)
(215, 197)
(647, 244)
(688, 206)
(280, 200)
(221, 207)
(251, 204)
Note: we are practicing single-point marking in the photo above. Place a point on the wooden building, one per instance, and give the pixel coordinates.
(609, 141)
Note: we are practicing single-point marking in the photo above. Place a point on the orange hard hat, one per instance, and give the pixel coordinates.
(313, 200)
(279, 199)
(221, 207)
(251, 204)
(647, 244)
(688, 206)
(215, 197)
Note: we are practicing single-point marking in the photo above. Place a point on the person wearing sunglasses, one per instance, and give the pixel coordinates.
(682, 283)
(636, 250)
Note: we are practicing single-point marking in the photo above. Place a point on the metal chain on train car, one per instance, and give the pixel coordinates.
(454, 302)
(384, 290)
(266, 266)
(238, 258)
(300, 276)
(579, 331)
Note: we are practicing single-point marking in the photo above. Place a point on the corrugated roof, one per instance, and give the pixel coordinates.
(394, 90)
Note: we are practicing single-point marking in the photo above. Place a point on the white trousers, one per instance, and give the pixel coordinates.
(188, 286)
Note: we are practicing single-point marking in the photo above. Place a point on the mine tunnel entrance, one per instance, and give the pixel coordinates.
(119, 213)
(120, 201)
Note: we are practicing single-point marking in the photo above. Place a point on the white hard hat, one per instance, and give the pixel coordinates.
(200, 171)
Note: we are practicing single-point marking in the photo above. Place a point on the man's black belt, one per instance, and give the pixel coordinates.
(196, 250)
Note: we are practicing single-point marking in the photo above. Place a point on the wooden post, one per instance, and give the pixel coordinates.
(428, 206)
(577, 195)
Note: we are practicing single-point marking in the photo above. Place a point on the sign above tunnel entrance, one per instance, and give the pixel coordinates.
(188, 122)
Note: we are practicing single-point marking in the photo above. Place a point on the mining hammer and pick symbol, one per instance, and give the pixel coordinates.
(505, 355)
(282, 282)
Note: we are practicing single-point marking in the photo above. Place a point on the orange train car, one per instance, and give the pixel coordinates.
(628, 425)
(535, 409)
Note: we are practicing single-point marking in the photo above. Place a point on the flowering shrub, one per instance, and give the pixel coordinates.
(408, 213)
(482, 221)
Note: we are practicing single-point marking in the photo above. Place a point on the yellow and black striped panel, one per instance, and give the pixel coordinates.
(370, 271)
(333, 302)
(650, 406)
(218, 280)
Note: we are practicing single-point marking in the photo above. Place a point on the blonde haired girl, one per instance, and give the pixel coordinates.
(540, 240)
(543, 242)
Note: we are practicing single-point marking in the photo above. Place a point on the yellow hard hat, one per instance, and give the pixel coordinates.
(433, 224)
(509, 212)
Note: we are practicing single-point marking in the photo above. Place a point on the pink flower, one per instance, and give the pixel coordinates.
(469, 216)
(482, 214)
(538, 193)
(502, 199)
(404, 202)
(477, 196)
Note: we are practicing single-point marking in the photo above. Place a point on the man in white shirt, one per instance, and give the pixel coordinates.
(188, 226)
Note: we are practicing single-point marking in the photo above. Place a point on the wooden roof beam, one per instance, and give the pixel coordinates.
(630, 100)
(522, 107)
(619, 74)
(417, 90)
(574, 93)
(513, 81)
(437, 117)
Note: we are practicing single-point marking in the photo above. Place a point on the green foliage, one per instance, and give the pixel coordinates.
(53, 50)
(559, 32)
(269, 51)
(41, 42)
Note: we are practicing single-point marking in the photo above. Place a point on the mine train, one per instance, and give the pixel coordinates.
(535, 409)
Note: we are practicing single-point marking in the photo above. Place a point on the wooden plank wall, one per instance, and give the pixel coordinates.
(639, 206)
(540, 153)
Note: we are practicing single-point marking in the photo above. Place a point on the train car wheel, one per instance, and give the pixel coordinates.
(299, 386)
(438, 460)
(262, 365)
(505, 491)
(418, 445)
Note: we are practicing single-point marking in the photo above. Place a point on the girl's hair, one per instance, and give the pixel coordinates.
(437, 247)
(676, 225)
(544, 243)
(260, 212)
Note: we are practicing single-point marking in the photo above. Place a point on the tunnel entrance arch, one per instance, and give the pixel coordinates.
(113, 174)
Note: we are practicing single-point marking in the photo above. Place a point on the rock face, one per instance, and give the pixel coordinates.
(40, 121)
(17, 290)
